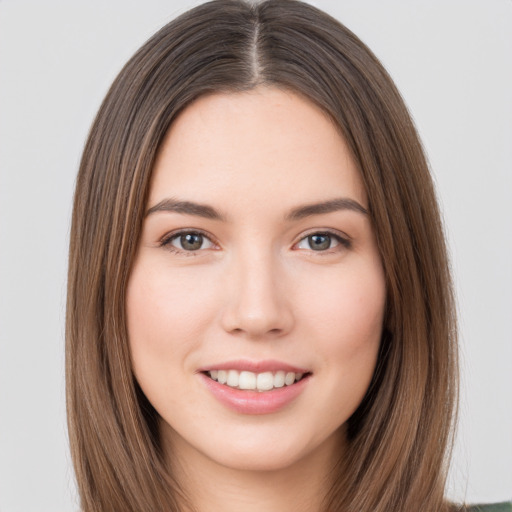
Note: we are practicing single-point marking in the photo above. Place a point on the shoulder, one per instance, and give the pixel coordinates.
(497, 507)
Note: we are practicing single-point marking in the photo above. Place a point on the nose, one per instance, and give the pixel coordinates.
(258, 305)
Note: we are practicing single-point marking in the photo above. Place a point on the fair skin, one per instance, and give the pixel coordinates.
(255, 283)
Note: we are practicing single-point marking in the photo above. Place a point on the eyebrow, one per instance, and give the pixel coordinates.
(186, 207)
(301, 212)
(333, 205)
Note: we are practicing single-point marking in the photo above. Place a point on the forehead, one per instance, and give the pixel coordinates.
(245, 146)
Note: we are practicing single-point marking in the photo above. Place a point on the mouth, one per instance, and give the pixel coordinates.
(251, 381)
(256, 387)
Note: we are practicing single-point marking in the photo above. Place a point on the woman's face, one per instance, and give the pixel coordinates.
(257, 264)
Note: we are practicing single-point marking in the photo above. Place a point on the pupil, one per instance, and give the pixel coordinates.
(319, 242)
(191, 241)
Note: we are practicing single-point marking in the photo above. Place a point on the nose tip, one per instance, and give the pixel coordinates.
(254, 326)
(257, 305)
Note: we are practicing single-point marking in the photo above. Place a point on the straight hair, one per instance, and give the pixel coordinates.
(399, 438)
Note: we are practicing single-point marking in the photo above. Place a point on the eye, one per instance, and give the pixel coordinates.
(322, 241)
(187, 241)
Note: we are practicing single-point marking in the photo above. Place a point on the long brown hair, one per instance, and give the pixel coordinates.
(400, 435)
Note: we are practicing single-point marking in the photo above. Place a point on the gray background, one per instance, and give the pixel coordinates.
(452, 62)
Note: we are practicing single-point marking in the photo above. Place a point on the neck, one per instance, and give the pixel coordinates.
(211, 487)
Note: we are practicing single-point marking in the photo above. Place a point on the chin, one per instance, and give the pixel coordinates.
(271, 453)
(268, 460)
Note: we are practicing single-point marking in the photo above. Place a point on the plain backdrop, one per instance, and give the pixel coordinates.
(451, 59)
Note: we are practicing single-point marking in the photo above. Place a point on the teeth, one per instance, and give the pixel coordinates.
(289, 379)
(264, 381)
(255, 381)
(279, 379)
(233, 378)
(247, 380)
(222, 376)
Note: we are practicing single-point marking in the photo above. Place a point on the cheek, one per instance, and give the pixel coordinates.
(347, 322)
(345, 317)
(348, 309)
(167, 316)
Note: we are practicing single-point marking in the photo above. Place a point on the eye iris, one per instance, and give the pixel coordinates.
(319, 242)
(191, 241)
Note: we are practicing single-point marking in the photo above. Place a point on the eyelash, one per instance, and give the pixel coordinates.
(167, 240)
(342, 239)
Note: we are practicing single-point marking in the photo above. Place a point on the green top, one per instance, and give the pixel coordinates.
(497, 507)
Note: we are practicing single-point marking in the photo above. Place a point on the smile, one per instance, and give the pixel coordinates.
(249, 387)
(251, 381)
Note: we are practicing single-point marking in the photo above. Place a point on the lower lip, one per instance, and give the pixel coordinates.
(255, 402)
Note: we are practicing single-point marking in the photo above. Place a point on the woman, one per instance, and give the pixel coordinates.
(259, 307)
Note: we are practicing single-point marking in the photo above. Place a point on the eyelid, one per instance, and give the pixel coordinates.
(165, 241)
(342, 238)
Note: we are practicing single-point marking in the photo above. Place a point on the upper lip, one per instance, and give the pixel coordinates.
(268, 365)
